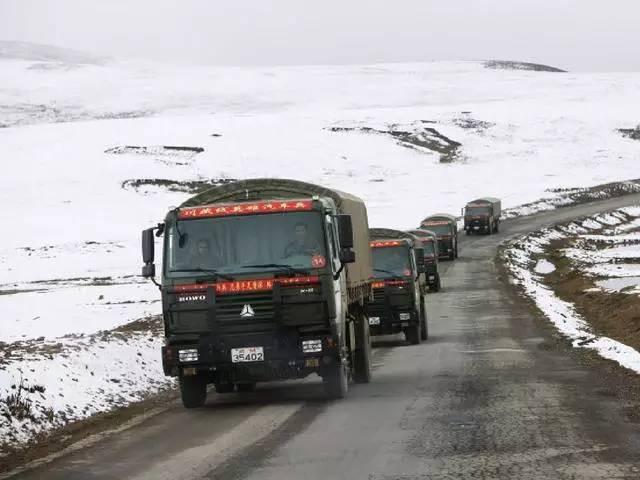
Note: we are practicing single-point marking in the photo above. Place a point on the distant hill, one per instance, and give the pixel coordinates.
(46, 53)
(510, 65)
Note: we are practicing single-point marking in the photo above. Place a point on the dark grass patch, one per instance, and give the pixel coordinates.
(526, 66)
(569, 197)
(422, 138)
(183, 186)
(632, 133)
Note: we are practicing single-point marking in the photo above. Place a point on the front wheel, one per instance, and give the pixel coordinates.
(193, 391)
(362, 355)
(336, 382)
(412, 333)
(424, 326)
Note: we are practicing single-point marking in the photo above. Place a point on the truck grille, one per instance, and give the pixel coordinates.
(233, 313)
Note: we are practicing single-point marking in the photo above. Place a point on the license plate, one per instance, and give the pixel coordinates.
(476, 228)
(247, 354)
(374, 320)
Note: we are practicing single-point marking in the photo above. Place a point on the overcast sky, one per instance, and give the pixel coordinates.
(580, 35)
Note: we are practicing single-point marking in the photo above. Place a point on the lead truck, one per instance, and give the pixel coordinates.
(262, 280)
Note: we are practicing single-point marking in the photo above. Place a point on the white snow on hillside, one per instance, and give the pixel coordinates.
(70, 257)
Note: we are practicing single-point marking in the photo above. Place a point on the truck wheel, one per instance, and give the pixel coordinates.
(438, 284)
(246, 387)
(225, 387)
(362, 357)
(497, 226)
(336, 382)
(424, 326)
(412, 333)
(452, 255)
(193, 391)
(456, 249)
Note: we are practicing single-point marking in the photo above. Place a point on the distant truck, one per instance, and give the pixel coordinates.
(482, 216)
(399, 289)
(445, 226)
(430, 247)
(264, 279)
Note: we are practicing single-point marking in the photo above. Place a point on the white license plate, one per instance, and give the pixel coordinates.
(476, 228)
(374, 320)
(247, 354)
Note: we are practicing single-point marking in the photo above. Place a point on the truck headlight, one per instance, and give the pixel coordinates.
(188, 355)
(311, 346)
(405, 316)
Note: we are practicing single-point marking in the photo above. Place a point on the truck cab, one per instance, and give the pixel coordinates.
(264, 280)
(445, 227)
(431, 258)
(399, 285)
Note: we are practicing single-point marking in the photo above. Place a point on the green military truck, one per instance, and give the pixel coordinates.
(430, 247)
(482, 215)
(264, 279)
(445, 226)
(399, 289)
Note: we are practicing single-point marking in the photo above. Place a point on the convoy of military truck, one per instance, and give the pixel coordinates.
(273, 279)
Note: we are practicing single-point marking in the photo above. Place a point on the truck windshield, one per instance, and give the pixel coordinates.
(391, 262)
(429, 248)
(438, 229)
(478, 211)
(245, 244)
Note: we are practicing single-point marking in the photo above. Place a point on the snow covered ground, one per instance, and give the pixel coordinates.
(411, 139)
(588, 257)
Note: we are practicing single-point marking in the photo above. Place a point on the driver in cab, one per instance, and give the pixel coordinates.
(302, 244)
(204, 258)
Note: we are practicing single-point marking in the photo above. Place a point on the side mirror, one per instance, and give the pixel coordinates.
(148, 253)
(419, 253)
(149, 270)
(345, 231)
(347, 256)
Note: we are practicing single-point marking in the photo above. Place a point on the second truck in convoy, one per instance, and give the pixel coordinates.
(264, 280)
(430, 247)
(399, 287)
(482, 215)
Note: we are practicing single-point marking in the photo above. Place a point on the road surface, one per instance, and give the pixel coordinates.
(484, 398)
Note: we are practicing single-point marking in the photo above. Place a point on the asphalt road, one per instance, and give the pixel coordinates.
(484, 398)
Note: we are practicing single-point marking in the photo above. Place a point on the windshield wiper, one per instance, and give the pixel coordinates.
(203, 270)
(281, 266)
(393, 274)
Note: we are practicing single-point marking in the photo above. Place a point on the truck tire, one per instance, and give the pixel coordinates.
(336, 382)
(412, 333)
(362, 357)
(438, 283)
(193, 391)
(497, 226)
(424, 326)
(225, 387)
